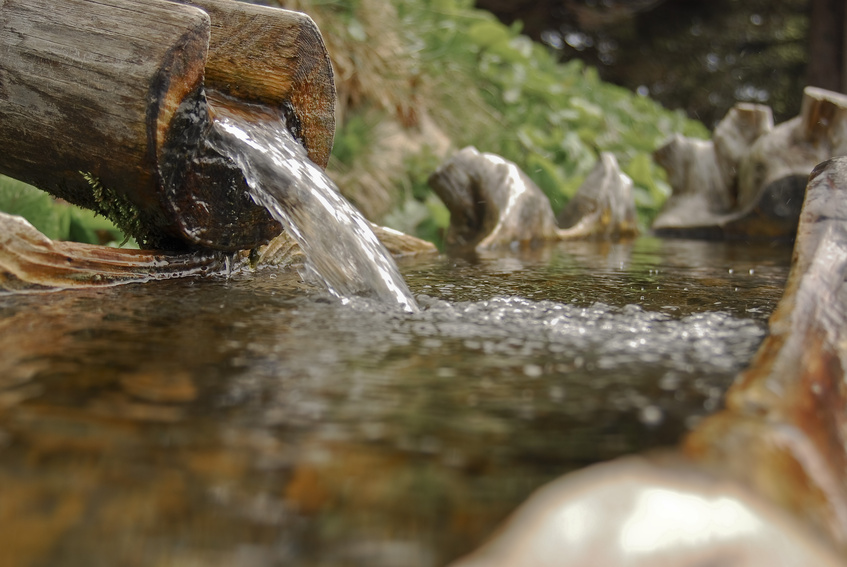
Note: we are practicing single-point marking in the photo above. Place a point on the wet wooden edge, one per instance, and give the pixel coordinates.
(29, 261)
(783, 430)
(778, 446)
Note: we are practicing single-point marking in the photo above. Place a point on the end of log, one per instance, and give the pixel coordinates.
(106, 104)
(604, 205)
(276, 58)
(824, 119)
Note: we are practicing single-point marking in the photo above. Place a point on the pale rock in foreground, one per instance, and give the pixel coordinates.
(633, 512)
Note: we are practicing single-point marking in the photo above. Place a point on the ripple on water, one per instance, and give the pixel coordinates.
(509, 357)
(260, 414)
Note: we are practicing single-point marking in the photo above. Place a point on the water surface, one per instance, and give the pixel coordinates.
(257, 420)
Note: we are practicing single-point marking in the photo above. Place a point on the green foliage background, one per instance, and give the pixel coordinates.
(406, 63)
(551, 119)
(56, 220)
(484, 84)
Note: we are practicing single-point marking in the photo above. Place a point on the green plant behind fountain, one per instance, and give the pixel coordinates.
(403, 64)
(484, 84)
(56, 219)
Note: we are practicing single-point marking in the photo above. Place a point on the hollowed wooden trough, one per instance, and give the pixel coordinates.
(106, 104)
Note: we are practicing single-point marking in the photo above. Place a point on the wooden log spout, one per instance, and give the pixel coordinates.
(104, 103)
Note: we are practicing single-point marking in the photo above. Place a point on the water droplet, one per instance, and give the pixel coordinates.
(651, 415)
(557, 393)
(533, 370)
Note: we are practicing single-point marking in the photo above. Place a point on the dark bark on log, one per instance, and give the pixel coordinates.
(827, 66)
(92, 87)
(114, 90)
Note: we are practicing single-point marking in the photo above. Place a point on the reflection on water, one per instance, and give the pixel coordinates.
(257, 421)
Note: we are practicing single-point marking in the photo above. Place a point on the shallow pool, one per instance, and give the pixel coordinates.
(256, 420)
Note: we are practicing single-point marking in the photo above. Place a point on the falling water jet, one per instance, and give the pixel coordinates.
(341, 249)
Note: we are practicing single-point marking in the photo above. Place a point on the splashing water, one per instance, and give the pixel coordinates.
(340, 247)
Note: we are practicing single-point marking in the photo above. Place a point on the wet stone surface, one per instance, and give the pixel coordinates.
(257, 420)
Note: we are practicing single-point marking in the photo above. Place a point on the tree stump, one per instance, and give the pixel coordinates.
(603, 207)
(749, 180)
(734, 135)
(703, 173)
(789, 153)
(103, 103)
(493, 203)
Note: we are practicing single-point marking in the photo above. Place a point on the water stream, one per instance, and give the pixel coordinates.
(256, 420)
(341, 249)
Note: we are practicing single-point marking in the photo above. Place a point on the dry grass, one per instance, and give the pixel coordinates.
(372, 63)
(377, 76)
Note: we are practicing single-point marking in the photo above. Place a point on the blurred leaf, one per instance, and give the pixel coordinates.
(36, 206)
(57, 220)
(488, 33)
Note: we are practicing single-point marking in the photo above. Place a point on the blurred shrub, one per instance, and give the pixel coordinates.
(551, 119)
(56, 219)
(441, 65)
(486, 85)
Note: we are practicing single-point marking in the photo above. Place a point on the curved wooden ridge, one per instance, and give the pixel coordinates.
(493, 203)
(103, 103)
(29, 261)
(763, 482)
(784, 431)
